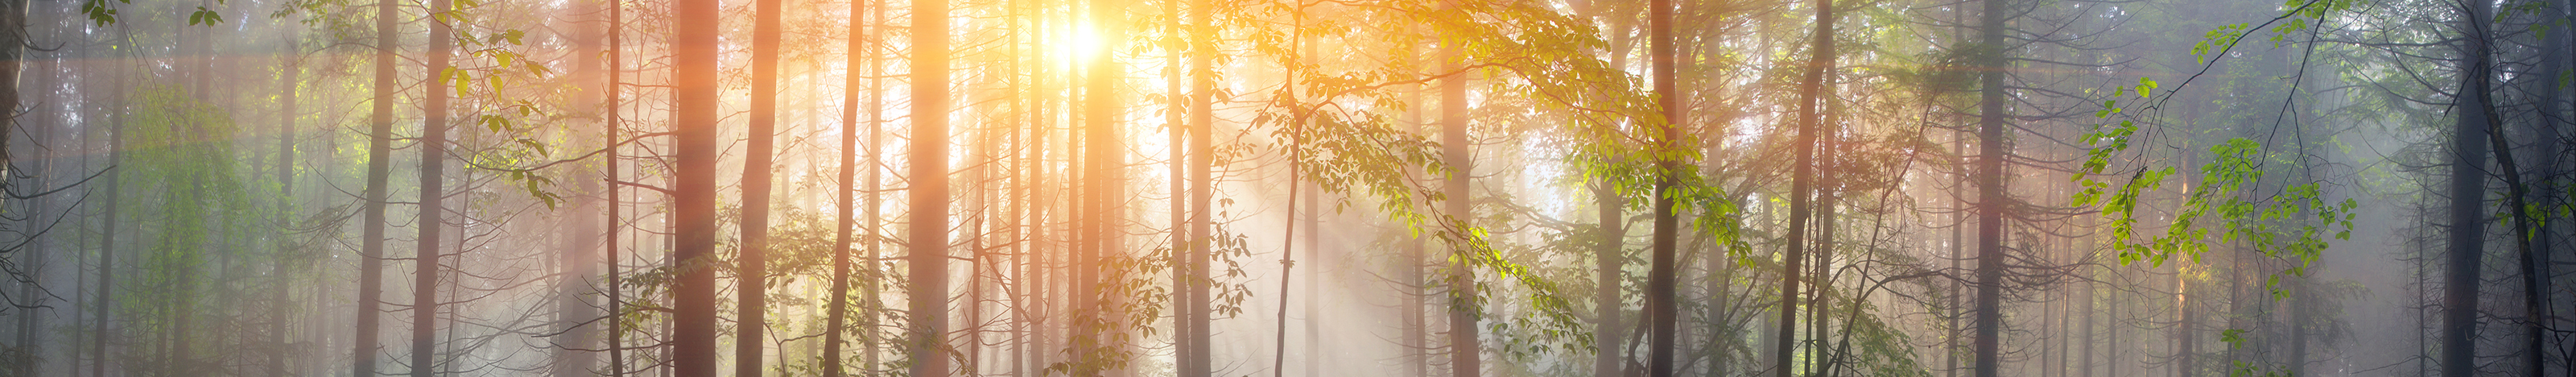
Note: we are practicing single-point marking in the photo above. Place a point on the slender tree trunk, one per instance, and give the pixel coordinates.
(752, 278)
(869, 336)
(616, 109)
(433, 209)
(836, 317)
(371, 225)
(1801, 206)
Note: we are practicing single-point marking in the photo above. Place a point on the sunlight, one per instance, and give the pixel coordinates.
(1074, 42)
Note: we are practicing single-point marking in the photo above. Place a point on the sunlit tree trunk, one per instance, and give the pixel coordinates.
(1202, 161)
(927, 248)
(1465, 352)
(1609, 262)
(575, 354)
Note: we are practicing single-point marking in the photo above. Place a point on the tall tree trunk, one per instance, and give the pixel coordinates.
(2467, 239)
(371, 238)
(693, 199)
(574, 307)
(1610, 263)
(927, 248)
(1104, 181)
(1992, 201)
(292, 72)
(1801, 206)
(615, 109)
(836, 317)
(433, 209)
(1465, 352)
(1202, 156)
(752, 276)
(1663, 311)
(871, 289)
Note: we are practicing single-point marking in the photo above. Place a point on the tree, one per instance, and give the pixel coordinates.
(837, 310)
(1465, 354)
(693, 192)
(927, 248)
(372, 215)
(1663, 309)
(2466, 245)
(753, 276)
(433, 196)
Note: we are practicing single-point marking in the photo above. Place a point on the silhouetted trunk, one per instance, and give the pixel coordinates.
(1663, 313)
(433, 193)
(1802, 181)
(836, 317)
(2467, 239)
(616, 122)
(371, 238)
(752, 276)
(694, 98)
(1991, 198)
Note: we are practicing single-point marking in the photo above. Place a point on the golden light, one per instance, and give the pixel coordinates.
(1075, 43)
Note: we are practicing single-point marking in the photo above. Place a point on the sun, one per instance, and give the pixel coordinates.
(1075, 43)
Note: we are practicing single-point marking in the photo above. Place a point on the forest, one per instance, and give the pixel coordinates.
(1312, 188)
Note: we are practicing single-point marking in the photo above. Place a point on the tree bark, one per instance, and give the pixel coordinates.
(927, 248)
(1992, 201)
(433, 209)
(752, 263)
(836, 317)
(693, 198)
(1465, 352)
(2467, 239)
(372, 214)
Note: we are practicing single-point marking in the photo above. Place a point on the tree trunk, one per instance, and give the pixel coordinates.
(927, 248)
(1202, 126)
(693, 198)
(2467, 239)
(1801, 206)
(752, 278)
(433, 210)
(372, 215)
(1465, 352)
(1610, 263)
(1992, 201)
(836, 317)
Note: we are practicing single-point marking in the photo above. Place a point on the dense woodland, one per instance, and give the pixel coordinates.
(1369, 188)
